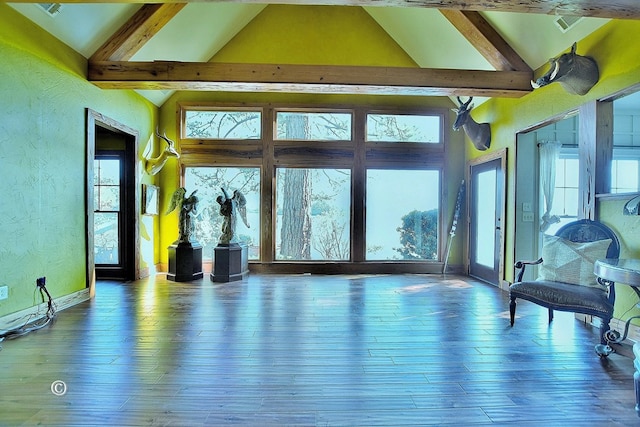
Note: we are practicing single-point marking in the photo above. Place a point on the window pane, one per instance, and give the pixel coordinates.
(402, 214)
(208, 222)
(108, 172)
(313, 214)
(571, 202)
(222, 124)
(106, 238)
(572, 173)
(565, 196)
(624, 176)
(485, 215)
(403, 128)
(109, 198)
(313, 126)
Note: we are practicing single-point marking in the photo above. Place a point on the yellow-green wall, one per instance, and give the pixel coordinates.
(619, 64)
(44, 96)
(323, 35)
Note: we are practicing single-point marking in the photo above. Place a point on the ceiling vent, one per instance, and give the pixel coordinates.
(52, 9)
(565, 23)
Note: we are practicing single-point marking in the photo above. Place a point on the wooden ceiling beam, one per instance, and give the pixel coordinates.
(167, 75)
(137, 31)
(615, 9)
(486, 40)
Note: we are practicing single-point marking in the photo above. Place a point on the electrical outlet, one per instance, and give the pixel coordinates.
(4, 292)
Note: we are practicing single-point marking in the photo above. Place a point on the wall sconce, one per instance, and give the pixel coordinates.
(632, 207)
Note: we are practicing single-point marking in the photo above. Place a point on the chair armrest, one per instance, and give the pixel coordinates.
(520, 265)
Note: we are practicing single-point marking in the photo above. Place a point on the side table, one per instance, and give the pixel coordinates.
(627, 272)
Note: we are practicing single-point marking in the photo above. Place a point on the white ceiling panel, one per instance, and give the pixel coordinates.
(198, 31)
(83, 27)
(428, 38)
(536, 38)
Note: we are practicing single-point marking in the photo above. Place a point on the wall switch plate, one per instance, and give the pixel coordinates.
(527, 217)
(4, 292)
(526, 207)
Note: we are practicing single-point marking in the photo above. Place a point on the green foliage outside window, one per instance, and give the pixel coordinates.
(419, 235)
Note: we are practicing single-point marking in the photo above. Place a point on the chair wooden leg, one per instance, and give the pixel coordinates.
(512, 310)
(550, 315)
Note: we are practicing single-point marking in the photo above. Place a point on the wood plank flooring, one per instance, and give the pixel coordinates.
(312, 350)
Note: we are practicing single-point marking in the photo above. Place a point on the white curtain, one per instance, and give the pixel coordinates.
(549, 151)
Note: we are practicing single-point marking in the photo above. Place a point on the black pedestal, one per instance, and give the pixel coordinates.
(231, 262)
(185, 262)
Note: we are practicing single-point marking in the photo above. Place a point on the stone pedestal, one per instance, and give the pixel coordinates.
(185, 262)
(231, 262)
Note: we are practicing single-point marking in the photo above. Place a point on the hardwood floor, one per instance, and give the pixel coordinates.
(312, 350)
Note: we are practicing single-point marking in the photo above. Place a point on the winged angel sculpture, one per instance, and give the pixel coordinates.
(230, 208)
(187, 207)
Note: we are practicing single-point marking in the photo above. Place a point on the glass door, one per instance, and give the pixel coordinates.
(485, 220)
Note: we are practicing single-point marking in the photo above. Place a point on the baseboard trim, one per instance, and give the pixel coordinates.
(31, 314)
(616, 324)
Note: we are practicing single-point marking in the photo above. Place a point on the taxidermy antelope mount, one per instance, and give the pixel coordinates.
(577, 74)
(478, 133)
(153, 166)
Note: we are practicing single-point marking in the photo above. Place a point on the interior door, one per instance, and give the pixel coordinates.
(486, 213)
(113, 229)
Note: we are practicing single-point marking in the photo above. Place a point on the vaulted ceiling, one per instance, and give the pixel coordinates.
(466, 48)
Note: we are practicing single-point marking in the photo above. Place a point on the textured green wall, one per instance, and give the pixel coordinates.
(44, 96)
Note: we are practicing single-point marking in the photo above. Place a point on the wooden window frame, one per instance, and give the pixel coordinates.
(358, 155)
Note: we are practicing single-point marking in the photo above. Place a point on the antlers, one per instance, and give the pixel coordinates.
(464, 105)
(154, 165)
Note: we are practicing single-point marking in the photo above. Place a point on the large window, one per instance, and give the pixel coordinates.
(322, 185)
(402, 214)
(312, 214)
(209, 181)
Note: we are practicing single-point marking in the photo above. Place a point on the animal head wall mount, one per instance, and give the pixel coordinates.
(478, 133)
(154, 165)
(577, 74)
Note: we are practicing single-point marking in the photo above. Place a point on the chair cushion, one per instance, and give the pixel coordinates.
(571, 262)
(564, 295)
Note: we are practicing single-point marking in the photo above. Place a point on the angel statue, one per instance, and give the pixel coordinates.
(187, 207)
(230, 207)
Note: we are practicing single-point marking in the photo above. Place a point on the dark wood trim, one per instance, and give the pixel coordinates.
(595, 151)
(355, 155)
(418, 267)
